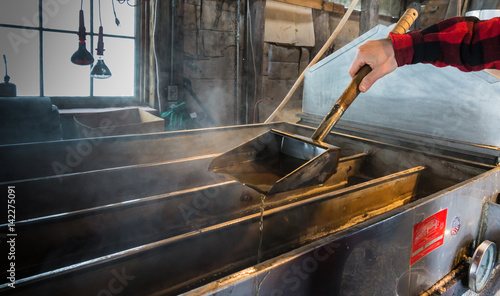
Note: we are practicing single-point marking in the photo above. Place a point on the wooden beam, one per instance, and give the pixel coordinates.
(369, 15)
(321, 30)
(318, 4)
(170, 62)
(253, 52)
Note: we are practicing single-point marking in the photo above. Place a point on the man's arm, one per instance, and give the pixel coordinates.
(462, 42)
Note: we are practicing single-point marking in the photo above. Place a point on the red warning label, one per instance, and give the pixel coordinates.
(428, 235)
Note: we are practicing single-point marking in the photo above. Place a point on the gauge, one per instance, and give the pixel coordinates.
(481, 265)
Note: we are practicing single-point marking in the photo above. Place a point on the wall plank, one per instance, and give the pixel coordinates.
(318, 4)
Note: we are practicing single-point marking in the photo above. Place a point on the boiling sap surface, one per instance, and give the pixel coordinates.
(262, 173)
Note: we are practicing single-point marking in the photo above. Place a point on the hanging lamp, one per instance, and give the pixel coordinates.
(82, 56)
(100, 70)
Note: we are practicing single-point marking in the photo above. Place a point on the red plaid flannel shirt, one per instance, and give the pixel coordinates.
(463, 42)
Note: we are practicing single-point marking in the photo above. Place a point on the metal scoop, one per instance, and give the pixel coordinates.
(277, 161)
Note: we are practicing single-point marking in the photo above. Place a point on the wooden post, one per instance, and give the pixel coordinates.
(253, 53)
(164, 52)
(147, 72)
(369, 15)
(321, 30)
(454, 8)
(178, 65)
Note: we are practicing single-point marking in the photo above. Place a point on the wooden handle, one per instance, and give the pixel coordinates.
(405, 21)
(352, 91)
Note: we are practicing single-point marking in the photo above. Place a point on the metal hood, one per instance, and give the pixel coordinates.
(418, 102)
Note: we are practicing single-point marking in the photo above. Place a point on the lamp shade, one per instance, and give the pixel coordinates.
(82, 56)
(100, 70)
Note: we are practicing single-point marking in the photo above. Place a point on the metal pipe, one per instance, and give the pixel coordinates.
(91, 43)
(236, 59)
(40, 29)
(439, 288)
(172, 15)
(157, 64)
(137, 55)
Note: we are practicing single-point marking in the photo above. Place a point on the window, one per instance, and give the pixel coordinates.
(38, 38)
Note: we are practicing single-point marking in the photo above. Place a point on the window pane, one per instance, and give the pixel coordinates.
(65, 15)
(61, 77)
(119, 57)
(124, 13)
(22, 60)
(19, 12)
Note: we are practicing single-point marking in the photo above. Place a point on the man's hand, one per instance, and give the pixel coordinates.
(379, 55)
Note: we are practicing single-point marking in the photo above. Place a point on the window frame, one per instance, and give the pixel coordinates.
(90, 33)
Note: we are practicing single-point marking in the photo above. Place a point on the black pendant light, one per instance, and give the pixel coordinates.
(100, 70)
(82, 56)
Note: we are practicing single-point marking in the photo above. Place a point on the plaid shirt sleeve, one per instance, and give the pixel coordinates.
(462, 42)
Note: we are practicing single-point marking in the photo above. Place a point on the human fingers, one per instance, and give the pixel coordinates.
(356, 64)
(367, 54)
(370, 79)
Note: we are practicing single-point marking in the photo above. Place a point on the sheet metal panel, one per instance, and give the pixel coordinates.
(375, 257)
(58, 158)
(491, 225)
(173, 264)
